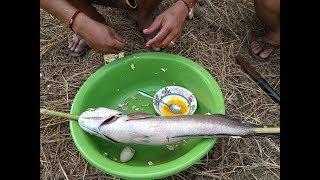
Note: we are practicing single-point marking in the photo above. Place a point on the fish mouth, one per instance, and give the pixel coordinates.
(90, 131)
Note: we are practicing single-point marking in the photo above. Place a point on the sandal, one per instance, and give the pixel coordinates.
(75, 54)
(264, 46)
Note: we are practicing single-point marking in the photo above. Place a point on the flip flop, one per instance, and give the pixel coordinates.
(74, 54)
(145, 37)
(264, 46)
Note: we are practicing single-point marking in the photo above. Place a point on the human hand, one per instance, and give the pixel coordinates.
(170, 24)
(98, 36)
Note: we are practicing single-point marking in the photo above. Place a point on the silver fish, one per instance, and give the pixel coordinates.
(141, 128)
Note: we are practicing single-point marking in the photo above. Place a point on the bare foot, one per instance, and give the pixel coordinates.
(77, 44)
(264, 46)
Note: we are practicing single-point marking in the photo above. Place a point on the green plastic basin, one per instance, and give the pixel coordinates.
(119, 82)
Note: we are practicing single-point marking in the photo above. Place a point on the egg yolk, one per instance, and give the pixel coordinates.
(184, 107)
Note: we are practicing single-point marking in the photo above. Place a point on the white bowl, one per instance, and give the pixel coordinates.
(166, 93)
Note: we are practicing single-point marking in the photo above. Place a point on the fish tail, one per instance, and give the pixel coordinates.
(254, 129)
(272, 132)
(266, 130)
(269, 132)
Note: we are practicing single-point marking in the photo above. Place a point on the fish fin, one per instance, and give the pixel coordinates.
(237, 120)
(207, 136)
(227, 117)
(272, 136)
(139, 115)
(194, 135)
(141, 140)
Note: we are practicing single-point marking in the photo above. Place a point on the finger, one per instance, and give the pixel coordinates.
(168, 41)
(117, 37)
(120, 39)
(111, 45)
(154, 26)
(266, 53)
(70, 42)
(75, 44)
(156, 41)
(115, 44)
(157, 49)
(82, 45)
(108, 50)
(174, 40)
(114, 51)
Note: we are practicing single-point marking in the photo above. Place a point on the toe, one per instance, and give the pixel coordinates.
(70, 42)
(81, 46)
(255, 47)
(75, 44)
(266, 53)
(75, 39)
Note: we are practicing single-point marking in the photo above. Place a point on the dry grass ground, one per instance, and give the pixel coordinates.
(220, 30)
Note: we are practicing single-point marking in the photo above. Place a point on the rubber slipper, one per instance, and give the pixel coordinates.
(75, 54)
(264, 46)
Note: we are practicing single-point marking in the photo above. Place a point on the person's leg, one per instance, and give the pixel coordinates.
(144, 16)
(268, 11)
(76, 43)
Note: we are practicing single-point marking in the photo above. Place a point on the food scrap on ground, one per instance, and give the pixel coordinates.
(150, 163)
(184, 142)
(106, 154)
(207, 113)
(132, 66)
(170, 147)
(111, 57)
(123, 106)
(164, 69)
(121, 55)
(145, 105)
